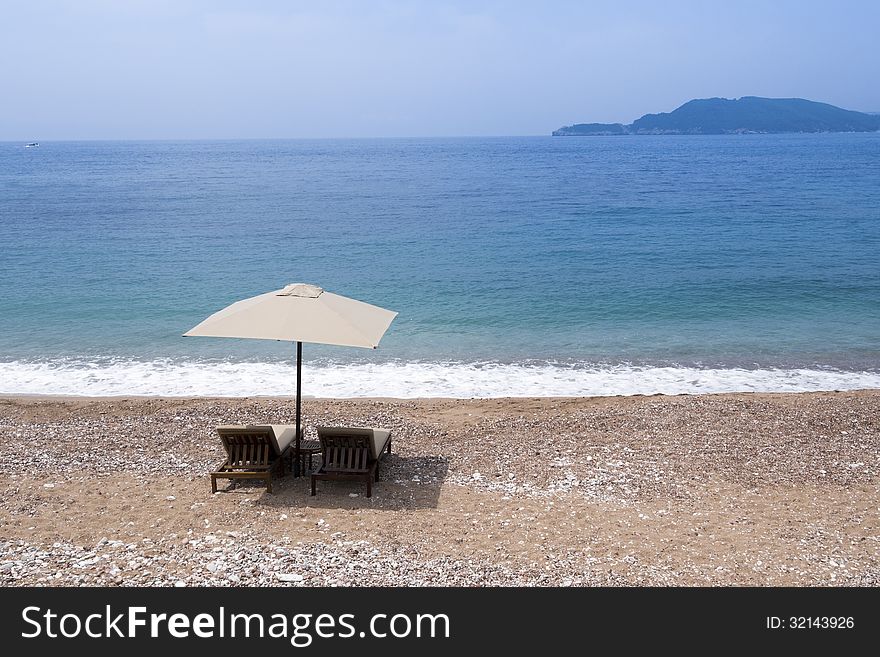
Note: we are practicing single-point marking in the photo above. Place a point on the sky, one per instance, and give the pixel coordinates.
(225, 69)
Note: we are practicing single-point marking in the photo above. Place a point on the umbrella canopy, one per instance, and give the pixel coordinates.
(299, 313)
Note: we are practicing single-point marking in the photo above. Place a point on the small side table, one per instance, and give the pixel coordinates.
(308, 448)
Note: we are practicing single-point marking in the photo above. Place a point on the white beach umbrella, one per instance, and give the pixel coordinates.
(299, 313)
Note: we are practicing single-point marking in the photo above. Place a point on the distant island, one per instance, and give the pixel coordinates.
(749, 114)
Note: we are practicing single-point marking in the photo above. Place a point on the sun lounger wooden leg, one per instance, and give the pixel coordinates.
(313, 485)
(369, 486)
(213, 484)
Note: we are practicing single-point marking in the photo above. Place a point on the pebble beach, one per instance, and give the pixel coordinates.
(691, 490)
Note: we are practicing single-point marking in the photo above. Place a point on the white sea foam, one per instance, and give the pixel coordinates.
(405, 380)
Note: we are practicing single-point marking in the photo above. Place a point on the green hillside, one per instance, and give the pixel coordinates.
(750, 114)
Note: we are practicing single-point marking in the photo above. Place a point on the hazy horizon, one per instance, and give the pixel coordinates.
(191, 70)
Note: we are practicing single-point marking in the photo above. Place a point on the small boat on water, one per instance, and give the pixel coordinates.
(32, 144)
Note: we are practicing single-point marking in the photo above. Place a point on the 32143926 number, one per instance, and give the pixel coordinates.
(810, 622)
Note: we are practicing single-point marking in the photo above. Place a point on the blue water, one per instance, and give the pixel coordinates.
(718, 254)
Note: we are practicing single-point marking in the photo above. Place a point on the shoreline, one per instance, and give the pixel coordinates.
(413, 380)
(713, 489)
(292, 398)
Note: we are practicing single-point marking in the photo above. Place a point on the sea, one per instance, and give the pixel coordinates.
(527, 266)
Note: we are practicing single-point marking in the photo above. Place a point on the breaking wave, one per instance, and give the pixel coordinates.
(405, 379)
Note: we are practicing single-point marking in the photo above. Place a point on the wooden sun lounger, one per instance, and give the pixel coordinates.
(254, 452)
(351, 453)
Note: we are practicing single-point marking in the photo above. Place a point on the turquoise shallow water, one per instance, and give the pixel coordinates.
(567, 264)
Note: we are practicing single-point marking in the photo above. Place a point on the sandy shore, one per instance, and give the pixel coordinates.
(690, 490)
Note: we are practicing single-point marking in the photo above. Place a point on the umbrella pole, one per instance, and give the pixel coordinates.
(299, 355)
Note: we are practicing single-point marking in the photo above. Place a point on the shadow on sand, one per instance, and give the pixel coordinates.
(405, 483)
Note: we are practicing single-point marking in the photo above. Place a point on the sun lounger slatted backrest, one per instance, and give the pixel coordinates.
(347, 453)
(246, 450)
